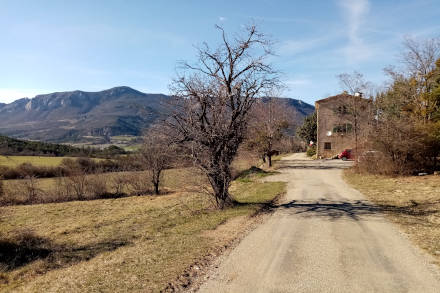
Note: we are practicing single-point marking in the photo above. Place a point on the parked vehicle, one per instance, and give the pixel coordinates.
(345, 155)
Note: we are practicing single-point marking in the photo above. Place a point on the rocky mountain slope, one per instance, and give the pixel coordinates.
(78, 115)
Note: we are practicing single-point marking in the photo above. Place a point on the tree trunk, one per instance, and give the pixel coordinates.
(156, 180)
(269, 160)
(220, 186)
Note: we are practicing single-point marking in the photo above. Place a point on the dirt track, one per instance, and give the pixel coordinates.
(324, 237)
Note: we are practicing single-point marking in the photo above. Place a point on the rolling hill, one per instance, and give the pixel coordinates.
(78, 116)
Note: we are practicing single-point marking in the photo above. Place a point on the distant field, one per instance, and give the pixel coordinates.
(132, 148)
(127, 142)
(12, 161)
(131, 244)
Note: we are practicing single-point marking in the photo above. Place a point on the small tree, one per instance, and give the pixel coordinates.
(156, 155)
(308, 131)
(269, 124)
(78, 184)
(354, 83)
(214, 98)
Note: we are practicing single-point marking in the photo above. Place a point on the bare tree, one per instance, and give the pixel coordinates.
(420, 60)
(354, 82)
(214, 98)
(270, 120)
(356, 85)
(420, 57)
(78, 183)
(156, 155)
(31, 189)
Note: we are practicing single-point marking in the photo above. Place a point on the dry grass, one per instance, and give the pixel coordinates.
(411, 202)
(131, 244)
(13, 161)
(49, 188)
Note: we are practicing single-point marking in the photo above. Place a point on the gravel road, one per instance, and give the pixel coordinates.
(324, 237)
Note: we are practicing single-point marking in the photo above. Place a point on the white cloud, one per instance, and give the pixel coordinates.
(222, 18)
(355, 12)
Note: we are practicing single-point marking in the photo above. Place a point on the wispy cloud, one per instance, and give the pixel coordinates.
(355, 12)
(222, 19)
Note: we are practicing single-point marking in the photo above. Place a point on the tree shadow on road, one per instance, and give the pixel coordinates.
(313, 165)
(355, 210)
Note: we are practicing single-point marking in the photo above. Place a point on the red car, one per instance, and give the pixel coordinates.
(345, 155)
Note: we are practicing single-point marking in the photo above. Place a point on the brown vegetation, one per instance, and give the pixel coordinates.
(66, 168)
(269, 122)
(406, 129)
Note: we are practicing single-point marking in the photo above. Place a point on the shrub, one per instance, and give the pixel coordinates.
(30, 188)
(78, 184)
(119, 183)
(139, 183)
(97, 186)
(311, 151)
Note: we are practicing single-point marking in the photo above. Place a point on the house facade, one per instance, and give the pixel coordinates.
(343, 122)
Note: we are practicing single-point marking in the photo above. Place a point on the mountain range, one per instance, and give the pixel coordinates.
(77, 116)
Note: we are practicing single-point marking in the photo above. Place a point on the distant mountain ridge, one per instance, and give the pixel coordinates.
(74, 116)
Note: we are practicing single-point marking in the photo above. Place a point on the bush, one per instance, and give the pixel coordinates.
(119, 183)
(97, 186)
(139, 183)
(78, 184)
(402, 147)
(311, 151)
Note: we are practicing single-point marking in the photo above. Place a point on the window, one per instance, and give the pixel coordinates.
(327, 145)
(344, 128)
(342, 110)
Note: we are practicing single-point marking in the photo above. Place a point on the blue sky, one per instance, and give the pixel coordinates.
(48, 46)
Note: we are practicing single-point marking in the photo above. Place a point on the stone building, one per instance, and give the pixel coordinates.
(342, 120)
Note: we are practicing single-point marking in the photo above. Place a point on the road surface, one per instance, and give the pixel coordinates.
(324, 237)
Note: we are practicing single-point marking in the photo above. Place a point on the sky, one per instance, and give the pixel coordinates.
(92, 45)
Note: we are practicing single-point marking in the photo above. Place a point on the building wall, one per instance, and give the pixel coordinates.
(337, 111)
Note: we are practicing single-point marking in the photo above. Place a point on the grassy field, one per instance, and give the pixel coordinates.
(13, 161)
(411, 202)
(131, 244)
(128, 142)
(173, 180)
